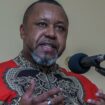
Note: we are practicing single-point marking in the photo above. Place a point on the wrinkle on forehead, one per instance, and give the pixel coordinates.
(49, 11)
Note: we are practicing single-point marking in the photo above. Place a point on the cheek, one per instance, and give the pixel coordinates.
(30, 40)
(33, 38)
(36, 34)
(62, 43)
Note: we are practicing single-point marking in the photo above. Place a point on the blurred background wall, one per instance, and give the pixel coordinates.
(86, 31)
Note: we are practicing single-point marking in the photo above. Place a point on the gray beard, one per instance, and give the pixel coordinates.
(44, 61)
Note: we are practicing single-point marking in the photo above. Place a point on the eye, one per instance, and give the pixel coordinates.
(60, 28)
(41, 24)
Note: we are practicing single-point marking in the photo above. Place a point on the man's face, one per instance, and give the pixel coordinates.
(45, 31)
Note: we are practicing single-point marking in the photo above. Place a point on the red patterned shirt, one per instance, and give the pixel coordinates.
(15, 76)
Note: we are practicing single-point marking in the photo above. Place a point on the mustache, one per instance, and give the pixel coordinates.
(50, 42)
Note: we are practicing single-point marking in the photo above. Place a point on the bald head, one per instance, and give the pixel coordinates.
(44, 32)
(30, 9)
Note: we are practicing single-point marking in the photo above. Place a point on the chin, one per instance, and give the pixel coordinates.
(45, 60)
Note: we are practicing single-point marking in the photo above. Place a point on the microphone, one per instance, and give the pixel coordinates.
(81, 63)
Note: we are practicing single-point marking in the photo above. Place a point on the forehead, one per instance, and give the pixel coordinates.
(48, 11)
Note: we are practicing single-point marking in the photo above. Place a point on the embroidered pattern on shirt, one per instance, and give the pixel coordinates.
(19, 78)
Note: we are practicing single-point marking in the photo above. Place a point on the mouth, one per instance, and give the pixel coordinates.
(48, 43)
(47, 47)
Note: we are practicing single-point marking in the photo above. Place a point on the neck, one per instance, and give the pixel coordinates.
(43, 68)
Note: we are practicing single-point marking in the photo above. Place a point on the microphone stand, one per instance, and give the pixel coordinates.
(98, 68)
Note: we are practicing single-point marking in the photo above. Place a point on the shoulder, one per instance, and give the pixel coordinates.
(78, 76)
(7, 64)
(89, 87)
(6, 94)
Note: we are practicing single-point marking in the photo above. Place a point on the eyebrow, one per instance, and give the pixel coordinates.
(58, 21)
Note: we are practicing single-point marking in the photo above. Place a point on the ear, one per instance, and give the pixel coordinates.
(22, 31)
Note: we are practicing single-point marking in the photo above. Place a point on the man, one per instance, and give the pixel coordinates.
(33, 77)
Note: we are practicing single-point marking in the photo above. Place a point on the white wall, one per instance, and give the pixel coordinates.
(86, 34)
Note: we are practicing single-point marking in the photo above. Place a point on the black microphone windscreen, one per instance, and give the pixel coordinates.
(75, 65)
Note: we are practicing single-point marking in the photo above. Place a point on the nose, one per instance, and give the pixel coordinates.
(50, 32)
